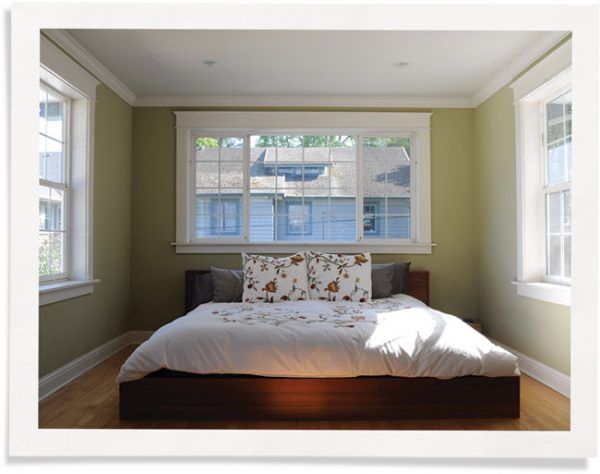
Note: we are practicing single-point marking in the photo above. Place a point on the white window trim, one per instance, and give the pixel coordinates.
(549, 76)
(70, 79)
(189, 123)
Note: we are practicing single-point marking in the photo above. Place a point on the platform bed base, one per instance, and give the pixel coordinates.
(167, 395)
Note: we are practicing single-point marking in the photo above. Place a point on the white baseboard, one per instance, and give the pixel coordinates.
(541, 372)
(57, 379)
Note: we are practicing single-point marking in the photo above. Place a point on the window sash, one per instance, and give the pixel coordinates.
(245, 135)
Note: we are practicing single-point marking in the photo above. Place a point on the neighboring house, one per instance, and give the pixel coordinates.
(303, 193)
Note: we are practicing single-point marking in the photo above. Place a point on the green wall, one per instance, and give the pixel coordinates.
(538, 329)
(157, 289)
(71, 328)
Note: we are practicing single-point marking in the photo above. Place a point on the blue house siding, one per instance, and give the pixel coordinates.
(341, 227)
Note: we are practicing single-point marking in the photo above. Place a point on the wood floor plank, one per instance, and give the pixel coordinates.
(92, 401)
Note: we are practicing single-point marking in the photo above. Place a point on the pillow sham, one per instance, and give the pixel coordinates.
(382, 276)
(228, 285)
(337, 277)
(270, 279)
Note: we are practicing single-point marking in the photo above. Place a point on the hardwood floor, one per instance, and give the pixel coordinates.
(91, 401)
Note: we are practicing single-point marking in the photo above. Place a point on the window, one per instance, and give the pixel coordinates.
(53, 189)
(559, 161)
(256, 180)
(543, 109)
(299, 218)
(66, 106)
(370, 213)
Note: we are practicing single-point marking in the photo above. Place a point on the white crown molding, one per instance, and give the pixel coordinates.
(541, 372)
(88, 61)
(303, 101)
(517, 66)
(57, 379)
(504, 77)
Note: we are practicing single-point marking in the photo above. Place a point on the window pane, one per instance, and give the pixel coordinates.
(556, 163)
(218, 215)
(378, 223)
(51, 253)
(343, 174)
(51, 154)
(342, 218)
(554, 213)
(262, 208)
(398, 227)
(554, 255)
(207, 174)
(51, 209)
(55, 116)
(232, 174)
(555, 132)
(558, 139)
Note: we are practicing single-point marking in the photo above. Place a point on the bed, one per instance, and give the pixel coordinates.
(315, 360)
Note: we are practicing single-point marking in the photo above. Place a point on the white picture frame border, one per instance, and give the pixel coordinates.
(25, 439)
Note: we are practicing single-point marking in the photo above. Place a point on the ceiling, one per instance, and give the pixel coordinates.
(156, 63)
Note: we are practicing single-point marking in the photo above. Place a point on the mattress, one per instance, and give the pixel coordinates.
(397, 336)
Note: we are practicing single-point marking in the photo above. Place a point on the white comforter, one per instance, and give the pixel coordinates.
(397, 336)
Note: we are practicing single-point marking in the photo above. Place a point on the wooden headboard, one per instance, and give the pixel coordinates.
(418, 286)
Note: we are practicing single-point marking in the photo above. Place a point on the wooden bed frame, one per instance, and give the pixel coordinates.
(170, 395)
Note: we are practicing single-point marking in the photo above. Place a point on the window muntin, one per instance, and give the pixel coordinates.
(296, 187)
(557, 138)
(53, 184)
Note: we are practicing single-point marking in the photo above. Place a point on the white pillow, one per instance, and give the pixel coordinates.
(336, 277)
(269, 279)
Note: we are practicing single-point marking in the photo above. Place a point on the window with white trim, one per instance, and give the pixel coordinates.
(53, 188)
(543, 117)
(66, 117)
(252, 185)
(558, 152)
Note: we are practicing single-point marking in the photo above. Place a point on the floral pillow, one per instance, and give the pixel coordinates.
(336, 277)
(269, 279)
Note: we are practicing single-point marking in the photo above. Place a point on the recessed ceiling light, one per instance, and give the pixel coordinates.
(400, 64)
(209, 62)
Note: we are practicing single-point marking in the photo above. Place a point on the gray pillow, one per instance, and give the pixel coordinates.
(228, 285)
(382, 275)
(401, 278)
(203, 290)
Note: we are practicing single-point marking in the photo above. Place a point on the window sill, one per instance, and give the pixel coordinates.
(288, 247)
(550, 292)
(54, 292)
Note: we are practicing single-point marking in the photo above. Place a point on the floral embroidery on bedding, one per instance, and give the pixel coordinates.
(269, 279)
(337, 277)
(339, 316)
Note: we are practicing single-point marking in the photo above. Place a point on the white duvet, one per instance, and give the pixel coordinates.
(398, 336)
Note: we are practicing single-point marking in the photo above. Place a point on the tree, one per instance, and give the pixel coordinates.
(306, 141)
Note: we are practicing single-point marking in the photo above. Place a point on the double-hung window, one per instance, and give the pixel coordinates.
(544, 157)
(269, 181)
(53, 187)
(558, 153)
(66, 116)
